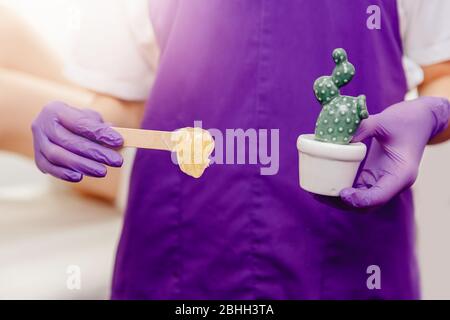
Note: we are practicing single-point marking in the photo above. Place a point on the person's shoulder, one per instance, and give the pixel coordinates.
(105, 28)
(138, 19)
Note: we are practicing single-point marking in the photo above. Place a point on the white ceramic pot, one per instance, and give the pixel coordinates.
(327, 168)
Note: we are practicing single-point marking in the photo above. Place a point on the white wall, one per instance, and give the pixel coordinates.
(432, 198)
(52, 18)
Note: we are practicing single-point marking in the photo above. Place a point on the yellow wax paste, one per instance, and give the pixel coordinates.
(193, 147)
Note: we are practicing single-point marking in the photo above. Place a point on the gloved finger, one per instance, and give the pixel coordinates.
(384, 189)
(58, 172)
(82, 146)
(61, 157)
(367, 129)
(90, 127)
(93, 114)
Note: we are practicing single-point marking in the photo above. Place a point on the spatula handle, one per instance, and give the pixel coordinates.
(146, 139)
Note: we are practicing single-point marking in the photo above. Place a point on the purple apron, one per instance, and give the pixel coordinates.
(235, 234)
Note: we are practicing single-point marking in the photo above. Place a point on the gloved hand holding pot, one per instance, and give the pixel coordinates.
(329, 159)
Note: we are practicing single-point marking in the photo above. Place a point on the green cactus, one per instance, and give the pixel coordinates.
(341, 115)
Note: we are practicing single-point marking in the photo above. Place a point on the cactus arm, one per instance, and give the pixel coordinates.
(344, 71)
(362, 106)
(324, 90)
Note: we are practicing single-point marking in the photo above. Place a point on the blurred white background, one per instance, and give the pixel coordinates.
(43, 230)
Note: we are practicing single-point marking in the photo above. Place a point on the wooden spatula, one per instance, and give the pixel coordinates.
(147, 139)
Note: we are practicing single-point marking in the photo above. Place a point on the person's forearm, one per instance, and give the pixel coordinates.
(22, 96)
(438, 87)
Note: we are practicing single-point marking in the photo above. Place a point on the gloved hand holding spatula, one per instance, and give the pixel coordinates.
(70, 143)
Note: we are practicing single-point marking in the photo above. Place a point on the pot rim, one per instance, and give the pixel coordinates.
(306, 143)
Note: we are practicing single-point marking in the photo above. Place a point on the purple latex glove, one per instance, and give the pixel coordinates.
(70, 142)
(401, 133)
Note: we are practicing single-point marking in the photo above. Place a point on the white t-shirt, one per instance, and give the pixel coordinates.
(115, 52)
